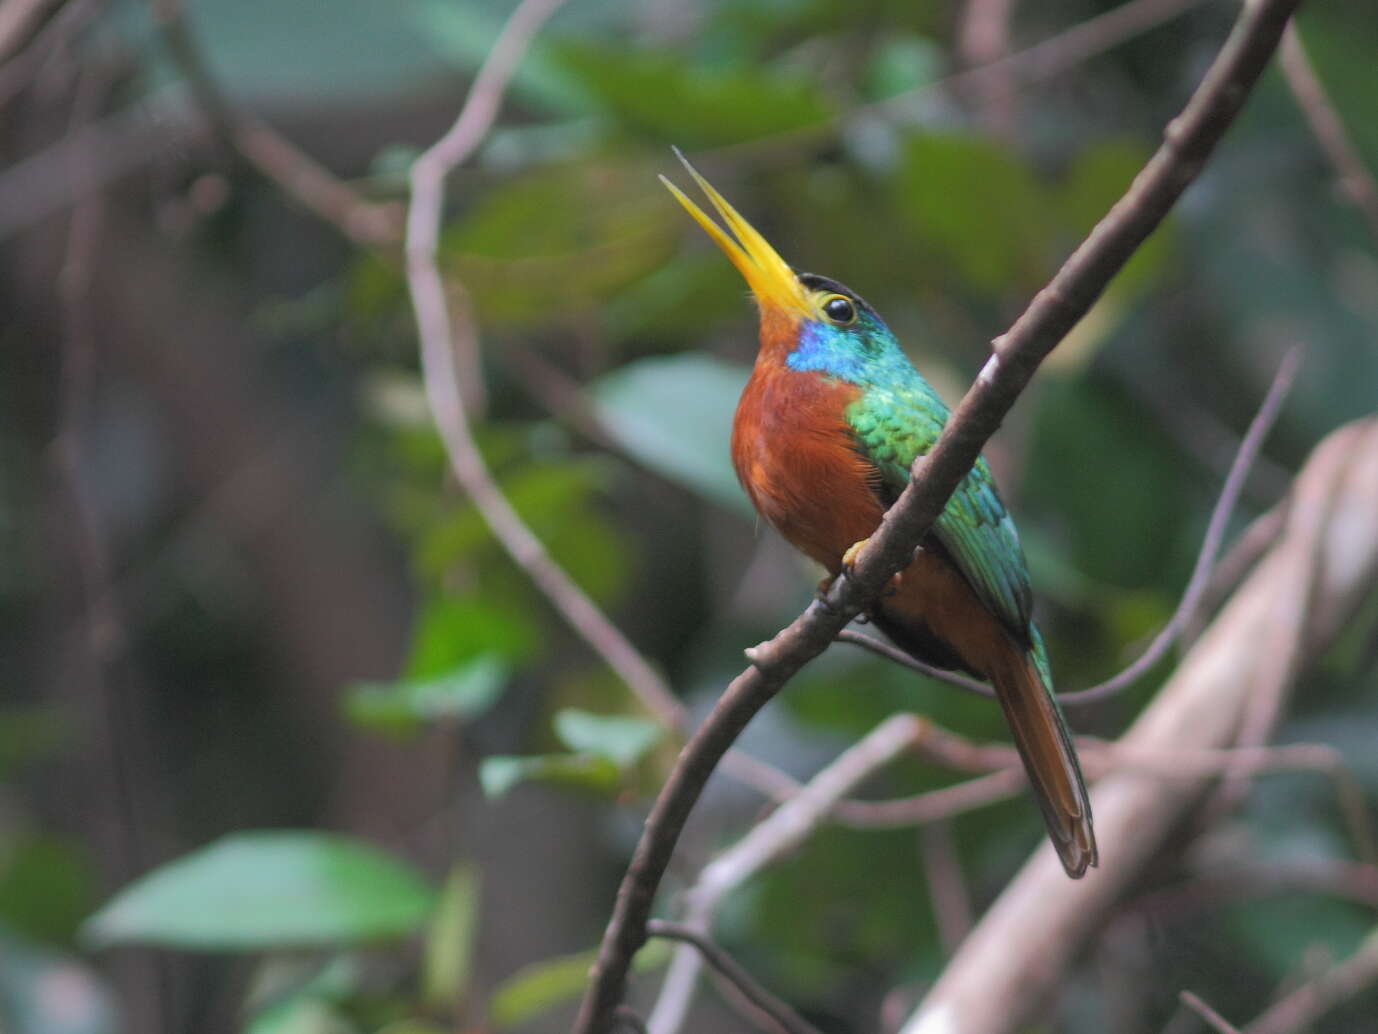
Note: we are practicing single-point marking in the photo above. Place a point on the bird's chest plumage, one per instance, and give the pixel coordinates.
(797, 459)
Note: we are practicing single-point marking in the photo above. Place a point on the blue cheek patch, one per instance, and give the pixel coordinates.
(826, 349)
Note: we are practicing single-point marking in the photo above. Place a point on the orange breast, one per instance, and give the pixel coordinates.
(795, 458)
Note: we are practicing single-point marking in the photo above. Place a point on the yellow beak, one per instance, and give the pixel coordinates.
(771, 280)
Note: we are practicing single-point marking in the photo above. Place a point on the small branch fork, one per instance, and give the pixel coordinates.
(1188, 142)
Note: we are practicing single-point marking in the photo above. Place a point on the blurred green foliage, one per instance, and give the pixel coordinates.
(614, 343)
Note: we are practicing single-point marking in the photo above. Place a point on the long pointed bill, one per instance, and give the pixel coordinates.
(770, 279)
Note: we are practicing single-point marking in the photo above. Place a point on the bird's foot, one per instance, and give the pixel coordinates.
(849, 561)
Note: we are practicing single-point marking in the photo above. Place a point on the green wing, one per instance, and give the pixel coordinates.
(893, 428)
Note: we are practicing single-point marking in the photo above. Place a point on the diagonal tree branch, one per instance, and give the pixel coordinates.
(1189, 604)
(1188, 142)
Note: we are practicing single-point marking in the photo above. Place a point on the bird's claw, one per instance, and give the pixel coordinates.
(849, 559)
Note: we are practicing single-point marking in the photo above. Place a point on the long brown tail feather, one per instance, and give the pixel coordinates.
(1049, 758)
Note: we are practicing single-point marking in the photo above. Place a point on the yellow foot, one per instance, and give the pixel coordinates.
(849, 561)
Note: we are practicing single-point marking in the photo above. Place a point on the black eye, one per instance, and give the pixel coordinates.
(839, 309)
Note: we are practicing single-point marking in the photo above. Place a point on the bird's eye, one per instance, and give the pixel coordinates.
(840, 310)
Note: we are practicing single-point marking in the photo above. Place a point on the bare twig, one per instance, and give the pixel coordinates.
(295, 172)
(1100, 759)
(1308, 1003)
(1350, 881)
(778, 1011)
(777, 835)
(1188, 142)
(1329, 130)
(441, 337)
(1190, 601)
(1216, 1022)
(984, 42)
(933, 805)
(1017, 954)
(1253, 542)
(946, 883)
(19, 20)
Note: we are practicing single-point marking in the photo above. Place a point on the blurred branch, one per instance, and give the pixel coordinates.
(1253, 542)
(1308, 1003)
(1329, 130)
(445, 326)
(1099, 759)
(1334, 877)
(1212, 1018)
(777, 835)
(983, 42)
(1190, 602)
(947, 888)
(295, 172)
(1187, 144)
(1018, 952)
(26, 60)
(20, 20)
(776, 1010)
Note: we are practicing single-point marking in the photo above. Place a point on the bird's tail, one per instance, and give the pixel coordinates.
(1022, 685)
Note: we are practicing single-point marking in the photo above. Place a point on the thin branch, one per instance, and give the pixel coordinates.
(946, 883)
(295, 172)
(1188, 142)
(1251, 545)
(774, 837)
(1216, 1022)
(1191, 598)
(441, 336)
(1308, 1003)
(1328, 129)
(1355, 882)
(778, 1010)
(933, 805)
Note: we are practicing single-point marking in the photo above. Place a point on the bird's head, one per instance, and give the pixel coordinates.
(795, 307)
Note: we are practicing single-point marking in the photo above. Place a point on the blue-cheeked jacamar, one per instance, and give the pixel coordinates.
(826, 430)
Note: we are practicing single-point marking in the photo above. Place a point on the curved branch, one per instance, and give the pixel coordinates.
(776, 1009)
(1328, 129)
(1188, 142)
(441, 337)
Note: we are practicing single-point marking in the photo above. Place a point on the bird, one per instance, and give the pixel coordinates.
(825, 432)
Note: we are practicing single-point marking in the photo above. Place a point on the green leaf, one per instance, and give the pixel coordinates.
(678, 101)
(405, 707)
(541, 986)
(268, 889)
(675, 416)
(451, 631)
(621, 739)
(500, 773)
(447, 964)
(46, 888)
